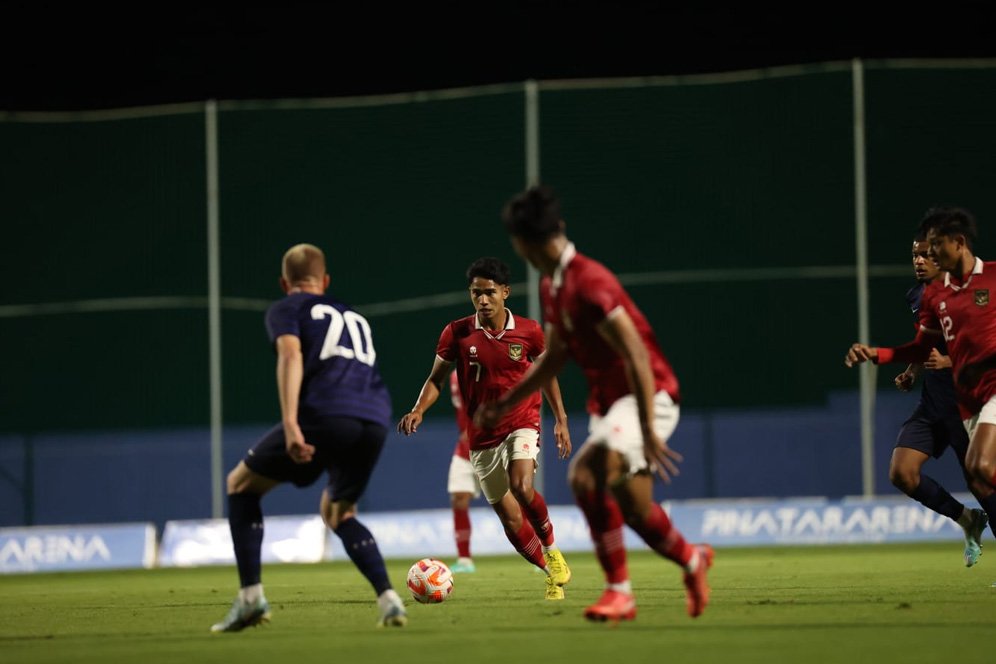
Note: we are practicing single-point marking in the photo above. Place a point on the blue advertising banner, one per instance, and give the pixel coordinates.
(417, 534)
(65, 548)
(286, 539)
(798, 521)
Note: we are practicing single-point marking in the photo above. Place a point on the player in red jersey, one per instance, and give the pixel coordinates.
(959, 310)
(935, 425)
(462, 483)
(633, 402)
(492, 350)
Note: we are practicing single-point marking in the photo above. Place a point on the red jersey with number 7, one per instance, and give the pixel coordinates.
(488, 364)
(581, 294)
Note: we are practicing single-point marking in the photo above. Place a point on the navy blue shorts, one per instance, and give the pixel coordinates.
(346, 448)
(932, 435)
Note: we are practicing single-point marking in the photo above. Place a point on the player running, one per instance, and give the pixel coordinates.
(956, 309)
(632, 399)
(462, 484)
(935, 425)
(336, 410)
(492, 350)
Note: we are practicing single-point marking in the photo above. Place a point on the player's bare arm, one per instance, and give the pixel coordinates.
(937, 360)
(546, 367)
(620, 333)
(561, 433)
(905, 381)
(859, 353)
(290, 372)
(916, 351)
(430, 392)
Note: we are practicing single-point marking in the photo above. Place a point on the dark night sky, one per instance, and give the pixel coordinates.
(58, 58)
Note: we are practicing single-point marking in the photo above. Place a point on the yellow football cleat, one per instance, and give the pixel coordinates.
(553, 591)
(559, 571)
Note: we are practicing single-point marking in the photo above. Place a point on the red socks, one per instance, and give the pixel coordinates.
(606, 523)
(461, 532)
(527, 544)
(657, 531)
(538, 515)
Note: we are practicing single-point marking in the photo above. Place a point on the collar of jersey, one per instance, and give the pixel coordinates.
(509, 325)
(976, 269)
(570, 251)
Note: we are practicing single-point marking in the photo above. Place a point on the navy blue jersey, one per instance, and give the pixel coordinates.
(937, 396)
(341, 378)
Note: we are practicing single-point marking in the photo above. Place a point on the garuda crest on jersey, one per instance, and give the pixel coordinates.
(515, 351)
(982, 296)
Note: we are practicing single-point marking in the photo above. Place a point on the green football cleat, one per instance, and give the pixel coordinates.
(973, 537)
(243, 615)
(463, 566)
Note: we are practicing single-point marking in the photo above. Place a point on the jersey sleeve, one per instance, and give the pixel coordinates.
(447, 346)
(602, 293)
(537, 340)
(928, 317)
(281, 319)
(916, 351)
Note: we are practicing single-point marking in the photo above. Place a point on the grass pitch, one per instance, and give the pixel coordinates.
(889, 603)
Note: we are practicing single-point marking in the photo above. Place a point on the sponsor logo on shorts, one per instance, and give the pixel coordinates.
(515, 351)
(982, 296)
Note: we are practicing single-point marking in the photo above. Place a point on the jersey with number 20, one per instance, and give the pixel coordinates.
(341, 378)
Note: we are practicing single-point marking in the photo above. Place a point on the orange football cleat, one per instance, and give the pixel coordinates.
(612, 605)
(696, 588)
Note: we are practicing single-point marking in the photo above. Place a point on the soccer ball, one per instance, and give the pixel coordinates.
(430, 581)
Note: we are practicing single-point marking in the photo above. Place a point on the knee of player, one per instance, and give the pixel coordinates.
(581, 480)
(235, 482)
(522, 489)
(983, 468)
(904, 479)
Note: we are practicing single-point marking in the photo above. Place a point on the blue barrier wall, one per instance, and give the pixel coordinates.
(130, 476)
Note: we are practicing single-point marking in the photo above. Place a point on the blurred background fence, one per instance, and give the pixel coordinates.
(728, 204)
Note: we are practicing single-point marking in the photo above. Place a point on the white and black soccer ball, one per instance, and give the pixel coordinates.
(430, 581)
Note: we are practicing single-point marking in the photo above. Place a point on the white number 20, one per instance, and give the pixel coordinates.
(359, 334)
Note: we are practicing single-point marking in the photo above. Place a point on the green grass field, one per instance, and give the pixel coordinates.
(889, 603)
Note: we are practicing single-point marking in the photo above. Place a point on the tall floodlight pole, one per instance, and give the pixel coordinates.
(866, 369)
(533, 178)
(214, 303)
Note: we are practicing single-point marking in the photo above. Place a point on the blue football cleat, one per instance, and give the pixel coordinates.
(973, 537)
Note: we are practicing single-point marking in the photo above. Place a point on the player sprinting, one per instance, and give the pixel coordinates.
(935, 425)
(955, 309)
(462, 484)
(335, 410)
(633, 402)
(492, 350)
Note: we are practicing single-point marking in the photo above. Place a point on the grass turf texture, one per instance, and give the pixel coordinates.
(888, 603)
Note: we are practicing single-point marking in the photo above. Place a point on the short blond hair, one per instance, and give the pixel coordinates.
(303, 262)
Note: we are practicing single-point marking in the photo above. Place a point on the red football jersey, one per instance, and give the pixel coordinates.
(580, 295)
(462, 448)
(966, 315)
(488, 365)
